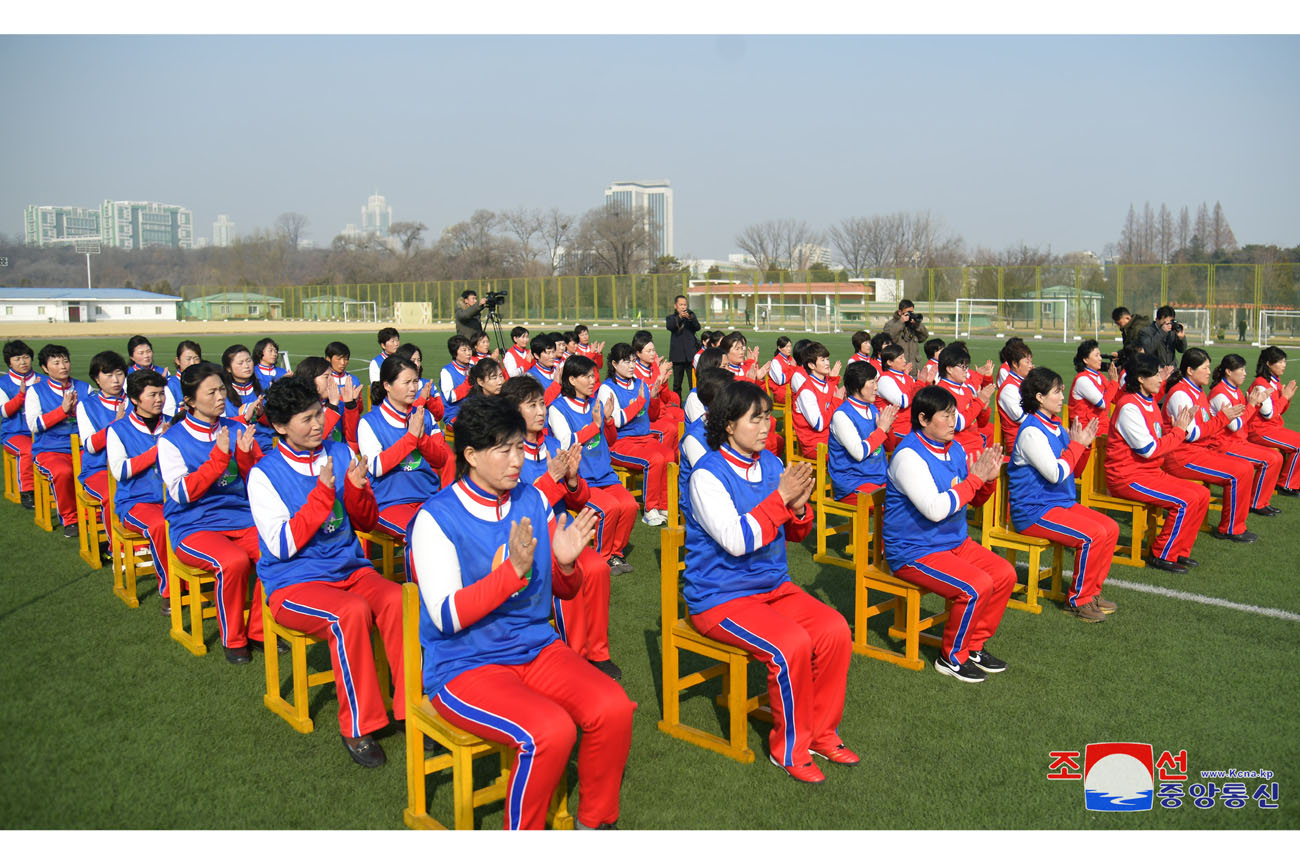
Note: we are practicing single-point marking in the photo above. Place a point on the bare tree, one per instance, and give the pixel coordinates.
(473, 247)
(1202, 230)
(291, 225)
(1130, 237)
(850, 237)
(1148, 233)
(408, 235)
(524, 225)
(1221, 237)
(557, 232)
(1165, 233)
(1184, 229)
(617, 240)
(761, 242)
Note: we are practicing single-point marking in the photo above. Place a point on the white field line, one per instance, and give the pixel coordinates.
(1273, 612)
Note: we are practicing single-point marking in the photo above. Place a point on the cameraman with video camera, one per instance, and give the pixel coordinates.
(467, 314)
(905, 329)
(1164, 338)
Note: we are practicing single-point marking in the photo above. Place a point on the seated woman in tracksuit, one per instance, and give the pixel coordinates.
(636, 447)
(402, 445)
(816, 399)
(49, 406)
(1045, 458)
(15, 436)
(582, 621)
(244, 393)
(855, 457)
(737, 581)
(1229, 378)
(930, 482)
(132, 446)
(488, 565)
(94, 415)
(695, 443)
(266, 352)
(1268, 426)
(306, 497)
(342, 405)
(204, 459)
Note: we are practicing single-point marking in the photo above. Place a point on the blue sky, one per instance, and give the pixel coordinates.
(1041, 140)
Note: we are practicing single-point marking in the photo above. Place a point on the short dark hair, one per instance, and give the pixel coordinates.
(1139, 366)
(518, 331)
(930, 401)
(260, 346)
(408, 351)
(50, 351)
(476, 336)
(737, 399)
(136, 342)
(709, 384)
(454, 342)
(468, 292)
(141, 379)
(709, 358)
(311, 366)
(856, 375)
(16, 349)
(1119, 313)
(905, 304)
(889, 353)
(1166, 312)
(1014, 352)
(934, 345)
(194, 374)
(878, 342)
(1039, 380)
(485, 422)
(482, 369)
(811, 353)
(521, 389)
(858, 338)
(1084, 350)
(732, 339)
(386, 334)
(287, 397)
(574, 365)
(640, 340)
(954, 354)
(540, 343)
(192, 346)
(338, 350)
(579, 330)
(618, 352)
(106, 362)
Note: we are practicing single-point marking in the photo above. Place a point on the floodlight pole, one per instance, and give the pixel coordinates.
(88, 285)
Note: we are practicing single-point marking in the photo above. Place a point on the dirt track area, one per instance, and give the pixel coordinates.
(151, 327)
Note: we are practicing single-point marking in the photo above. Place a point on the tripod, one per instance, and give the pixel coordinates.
(494, 324)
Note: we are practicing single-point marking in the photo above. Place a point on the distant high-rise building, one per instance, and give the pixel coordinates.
(137, 225)
(655, 199)
(46, 224)
(376, 216)
(223, 231)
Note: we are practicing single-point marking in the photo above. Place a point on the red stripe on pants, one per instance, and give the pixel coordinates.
(649, 455)
(348, 608)
(57, 467)
(234, 552)
(1091, 566)
(972, 620)
(807, 674)
(20, 445)
(1288, 443)
(1266, 461)
(586, 615)
(546, 697)
(1192, 465)
(1170, 545)
(617, 509)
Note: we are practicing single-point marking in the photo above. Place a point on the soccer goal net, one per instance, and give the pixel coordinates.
(359, 311)
(1278, 326)
(1030, 318)
(793, 316)
(1196, 324)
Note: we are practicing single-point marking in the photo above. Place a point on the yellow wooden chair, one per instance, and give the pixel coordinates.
(91, 532)
(125, 545)
(391, 552)
(997, 534)
(903, 601)
(675, 520)
(296, 710)
(12, 486)
(461, 747)
(44, 517)
(1092, 494)
(194, 591)
(732, 665)
(633, 480)
(825, 505)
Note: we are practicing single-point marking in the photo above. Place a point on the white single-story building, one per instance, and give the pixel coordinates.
(84, 305)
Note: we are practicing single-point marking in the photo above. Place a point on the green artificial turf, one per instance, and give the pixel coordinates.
(109, 723)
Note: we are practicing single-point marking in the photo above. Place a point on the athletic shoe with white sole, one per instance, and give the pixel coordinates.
(986, 661)
(966, 672)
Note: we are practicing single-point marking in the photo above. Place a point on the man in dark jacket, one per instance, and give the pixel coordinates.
(1161, 340)
(467, 314)
(905, 330)
(682, 344)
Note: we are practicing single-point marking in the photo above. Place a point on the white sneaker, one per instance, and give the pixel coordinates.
(654, 517)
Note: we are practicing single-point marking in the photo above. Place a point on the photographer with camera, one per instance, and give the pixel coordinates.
(467, 313)
(1164, 338)
(905, 329)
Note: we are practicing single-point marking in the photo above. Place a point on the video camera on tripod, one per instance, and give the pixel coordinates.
(493, 299)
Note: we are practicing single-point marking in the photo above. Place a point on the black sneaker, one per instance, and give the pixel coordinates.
(1188, 562)
(28, 499)
(70, 531)
(1243, 537)
(618, 565)
(1167, 565)
(166, 609)
(1266, 511)
(987, 662)
(239, 655)
(966, 672)
(609, 669)
(1287, 491)
(365, 751)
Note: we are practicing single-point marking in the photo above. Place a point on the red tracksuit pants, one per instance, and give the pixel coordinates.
(1233, 475)
(583, 621)
(146, 518)
(617, 509)
(230, 555)
(57, 467)
(806, 647)
(1186, 502)
(665, 430)
(20, 445)
(534, 707)
(1288, 443)
(1092, 536)
(395, 518)
(652, 457)
(97, 486)
(977, 582)
(1267, 463)
(343, 612)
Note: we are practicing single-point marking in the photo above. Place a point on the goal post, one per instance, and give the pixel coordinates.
(359, 311)
(1037, 318)
(794, 316)
(1277, 325)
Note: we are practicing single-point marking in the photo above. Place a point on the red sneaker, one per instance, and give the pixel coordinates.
(838, 754)
(805, 773)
